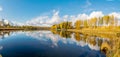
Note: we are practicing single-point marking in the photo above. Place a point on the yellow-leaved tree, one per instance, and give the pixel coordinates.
(85, 22)
(78, 24)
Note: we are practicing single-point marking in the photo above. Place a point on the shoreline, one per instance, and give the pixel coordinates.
(34, 28)
(111, 33)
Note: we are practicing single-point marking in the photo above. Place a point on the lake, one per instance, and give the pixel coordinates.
(50, 44)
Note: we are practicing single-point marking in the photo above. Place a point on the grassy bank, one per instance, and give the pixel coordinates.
(24, 28)
(99, 32)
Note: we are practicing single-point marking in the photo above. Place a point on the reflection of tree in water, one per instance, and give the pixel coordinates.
(99, 42)
(109, 44)
(80, 37)
(63, 34)
(92, 40)
(110, 47)
(0, 55)
(77, 36)
(115, 48)
(87, 38)
(3, 34)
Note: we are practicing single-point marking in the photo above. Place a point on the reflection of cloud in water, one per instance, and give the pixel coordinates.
(1, 37)
(41, 35)
(54, 39)
(1, 47)
(6, 35)
(47, 35)
(96, 47)
(16, 33)
(82, 43)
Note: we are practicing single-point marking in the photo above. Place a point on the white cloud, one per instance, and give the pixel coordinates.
(82, 16)
(45, 20)
(85, 16)
(96, 14)
(15, 23)
(38, 21)
(73, 19)
(65, 18)
(115, 14)
(55, 19)
(1, 9)
(78, 17)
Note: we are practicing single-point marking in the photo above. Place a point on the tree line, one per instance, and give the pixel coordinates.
(101, 22)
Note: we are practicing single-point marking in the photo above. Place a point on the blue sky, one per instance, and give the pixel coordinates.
(24, 10)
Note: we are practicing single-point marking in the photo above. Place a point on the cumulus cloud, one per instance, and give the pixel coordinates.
(74, 18)
(115, 14)
(55, 19)
(65, 18)
(96, 14)
(84, 16)
(45, 20)
(41, 20)
(1, 9)
(15, 23)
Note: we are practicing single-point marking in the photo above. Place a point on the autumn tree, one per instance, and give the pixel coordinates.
(100, 22)
(85, 23)
(106, 20)
(77, 24)
(77, 36)
(112, 21)
(69, 25)
(93, 22)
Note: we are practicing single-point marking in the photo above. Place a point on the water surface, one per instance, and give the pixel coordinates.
(49, 44)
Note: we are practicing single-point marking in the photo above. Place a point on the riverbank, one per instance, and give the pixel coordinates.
(104, 32)
(111, 46)
(24, 28)
(11, 29)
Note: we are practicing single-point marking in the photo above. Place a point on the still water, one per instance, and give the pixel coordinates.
(49, 44)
